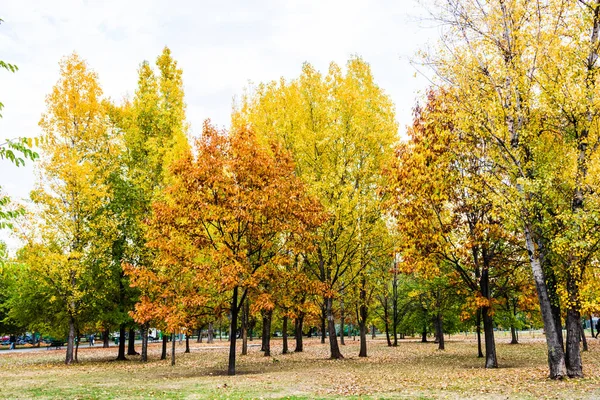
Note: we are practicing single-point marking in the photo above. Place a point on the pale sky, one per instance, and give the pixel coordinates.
(220, 45)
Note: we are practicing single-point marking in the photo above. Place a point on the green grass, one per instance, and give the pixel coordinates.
(413, 370)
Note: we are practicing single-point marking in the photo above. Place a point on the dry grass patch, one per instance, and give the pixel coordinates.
(411, 370)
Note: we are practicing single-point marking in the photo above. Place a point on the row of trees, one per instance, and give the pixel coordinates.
(310, 209)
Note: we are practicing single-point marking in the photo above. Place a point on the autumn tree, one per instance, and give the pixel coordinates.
(75, 232)
(524, 79)
(153, 132)
(238, 209)
(340, 129)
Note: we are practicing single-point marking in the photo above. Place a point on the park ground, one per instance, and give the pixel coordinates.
(411, 370)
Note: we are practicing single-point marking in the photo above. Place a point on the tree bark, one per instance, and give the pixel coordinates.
(234, 316)
(284, 334)
(187, 343)
(173, 339)
(77, 338)
(583, 338)
(199, 338)
(513, 335)
(333, 343)
(69, 359)
(131, 344)
(298, 325)
(491, 360)
(106, 339)
(592, 326)
(211, 333)
(165, 339)
(424, 333)
(573, 353)
(323, 318)
(245, 312)
(479, 351)
(342, 321)
(267, 341)
(121, 354)
(144, 331)
(556, 356)
(362, 321)
(439, 332)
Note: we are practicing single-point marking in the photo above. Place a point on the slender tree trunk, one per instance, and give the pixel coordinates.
(583, 338)
(106, 339)
(479, 351)
(333, 343)
(234, 317)
(173, 340)
(363, 326)
(386, 319)
(245, 312)
(556, 356)
(267, 322)
(121, 355)
(77, 336)
(342, 321)
(513, 335)
(131, 344)
(144, 331)
(298, 325)
(210, 334)
(490, 345)
(187, 343)
(323, 318)
(439, 331)
(592, 326)
(424, 333)
(284, 334)
(165, 339)
(574, 330)
(199, 338)
(70, 342)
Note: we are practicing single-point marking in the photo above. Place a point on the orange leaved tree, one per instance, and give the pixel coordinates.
(235, 208)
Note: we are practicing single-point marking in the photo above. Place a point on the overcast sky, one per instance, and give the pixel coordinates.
(220, 45)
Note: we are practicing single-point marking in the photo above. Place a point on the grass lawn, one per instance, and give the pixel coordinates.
(411, 370)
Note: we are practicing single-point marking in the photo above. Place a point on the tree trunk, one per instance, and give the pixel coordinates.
(245, 312)
(362, 321)
(234, 317)
(513, 335)
(333, 343)
(323, 318)
(424, 333)
(490, 345)
(556, 355)
(165, 339)
(187, 343)
(573, 353)
(77, 337)
(479, 351)
(106, 339)
(583, 338)
(144, 332)
(70, 342)
(284, 334)
(211, 333)
(173, 339)
(199, 338)
(267, 323)
(121, 355)
(342, 321)
(592, 326)
(439, 331)
(131, 344)
(298, 325)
